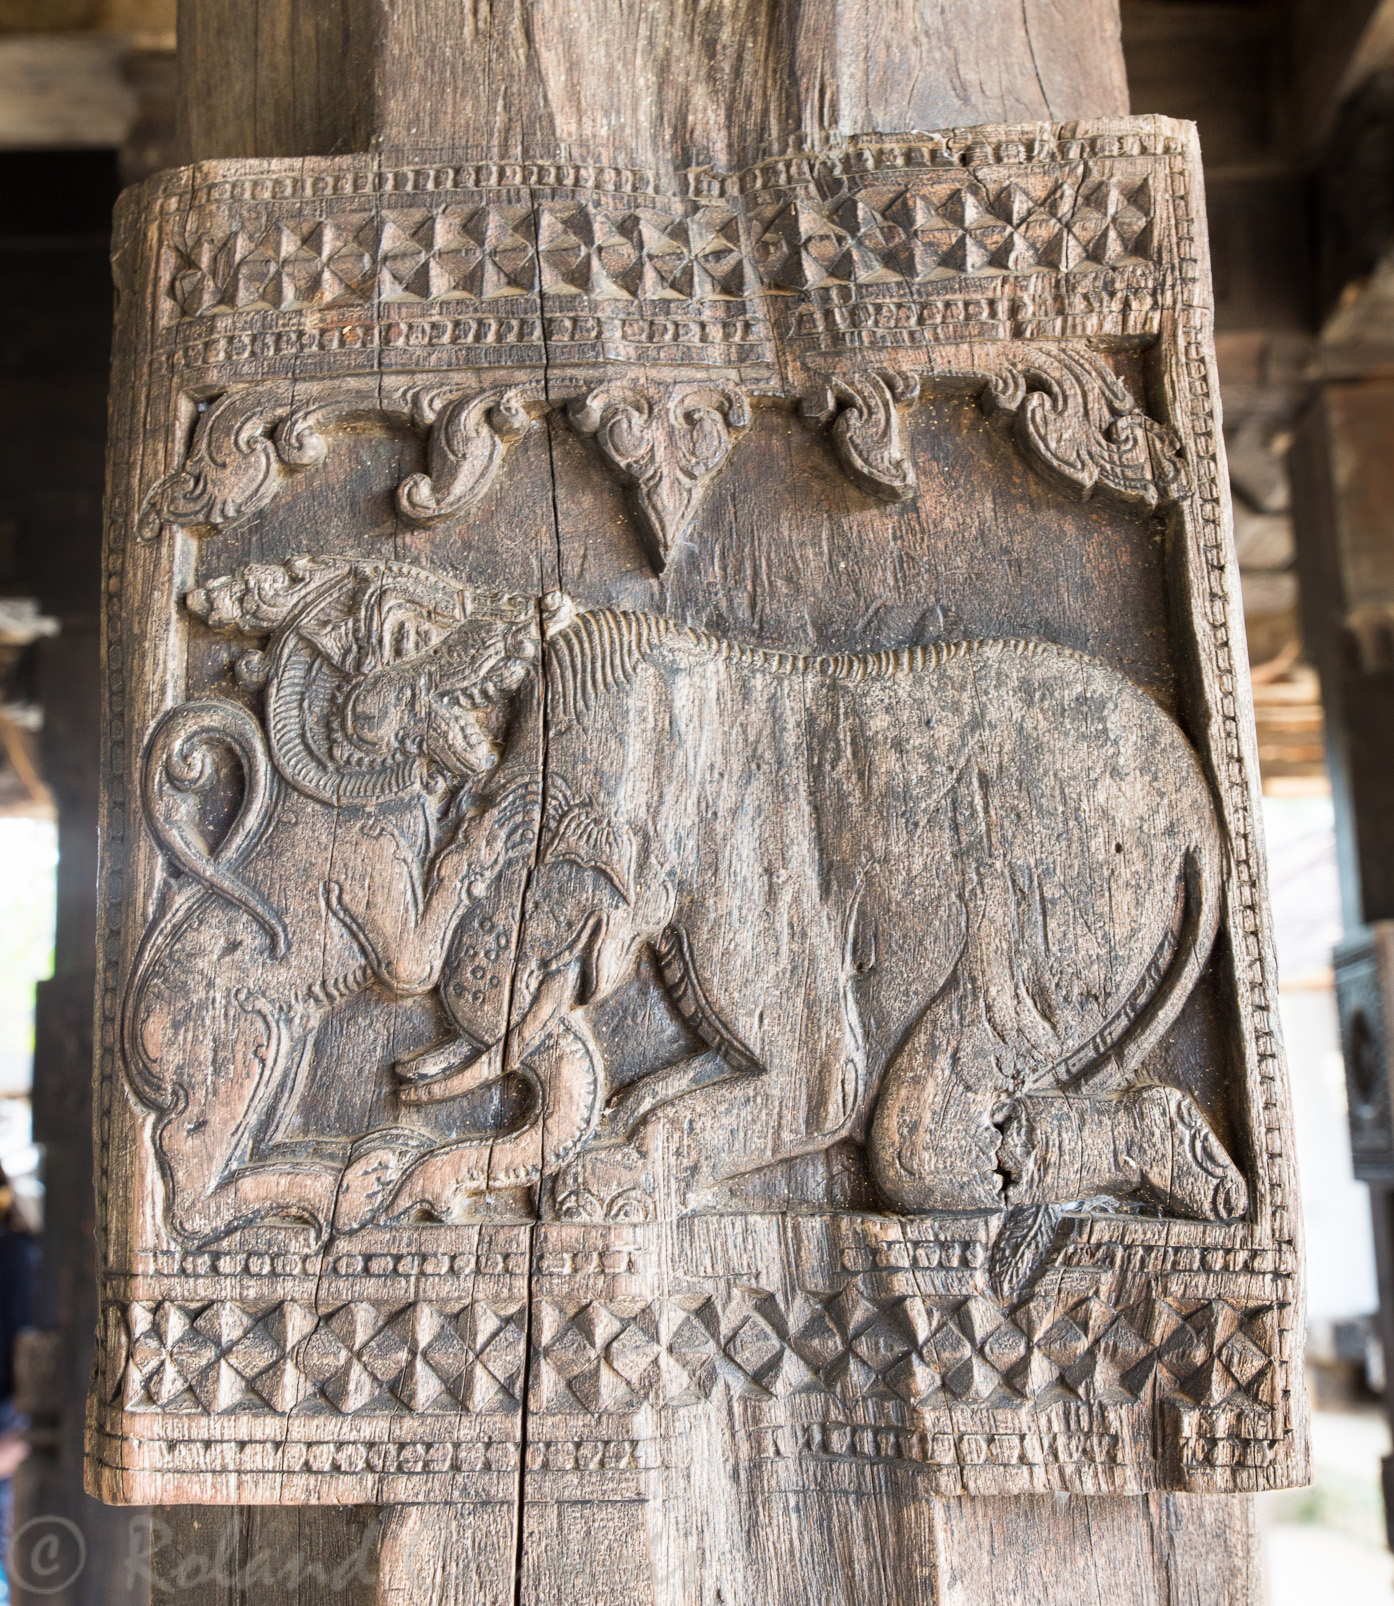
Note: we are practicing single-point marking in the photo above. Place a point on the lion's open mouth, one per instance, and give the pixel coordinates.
(455, 741)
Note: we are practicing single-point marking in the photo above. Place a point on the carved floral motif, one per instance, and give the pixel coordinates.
(668, 441)
(1069, 413)
(1079, 424)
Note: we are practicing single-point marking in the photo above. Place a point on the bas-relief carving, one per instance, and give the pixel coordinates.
(1080, 427)
(916, 221)
(985, 968)
(247, 440)
(900, 1169)
(667, 441)
(1070, 415)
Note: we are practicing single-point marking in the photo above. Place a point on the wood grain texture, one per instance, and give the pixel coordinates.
(716, 83)
(224, 1556)
(684, 1016)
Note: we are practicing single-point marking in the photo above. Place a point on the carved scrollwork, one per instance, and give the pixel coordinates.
(248, 439)
(1071, 415)
(178, 765)
(667, 441)
(469, 437)
(1080, 425)
(232, 470)
(179, 771)
(865, 413)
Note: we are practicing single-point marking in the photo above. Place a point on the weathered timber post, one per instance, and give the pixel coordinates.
(1345, 545)
(685, 980)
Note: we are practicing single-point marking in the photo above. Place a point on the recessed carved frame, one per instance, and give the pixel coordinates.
(272, 306)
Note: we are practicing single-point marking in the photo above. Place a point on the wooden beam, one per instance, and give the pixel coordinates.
(64, 91)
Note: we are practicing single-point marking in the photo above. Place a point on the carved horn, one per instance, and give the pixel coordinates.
(288, 697)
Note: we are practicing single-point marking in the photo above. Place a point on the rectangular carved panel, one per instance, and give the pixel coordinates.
(681, 920)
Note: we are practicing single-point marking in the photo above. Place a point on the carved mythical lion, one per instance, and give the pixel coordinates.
(941, 903)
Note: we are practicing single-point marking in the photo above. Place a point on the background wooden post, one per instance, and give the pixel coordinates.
(54, 254)
(1345, 544)
(718, 84)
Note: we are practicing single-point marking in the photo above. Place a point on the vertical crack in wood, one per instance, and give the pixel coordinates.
(668, 440)
(524, 1389)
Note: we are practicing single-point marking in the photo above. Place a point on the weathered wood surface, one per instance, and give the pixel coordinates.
(234, 1556)
(687, 980)
(710, 83)
(1145, 1550)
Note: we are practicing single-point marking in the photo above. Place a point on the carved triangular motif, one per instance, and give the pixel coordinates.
(668, 441)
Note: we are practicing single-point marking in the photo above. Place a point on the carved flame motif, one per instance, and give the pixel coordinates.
(1080, 425)
(668, 441)
(864, 408)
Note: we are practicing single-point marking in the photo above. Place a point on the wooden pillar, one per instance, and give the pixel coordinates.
(655, 583)
(1345, 547)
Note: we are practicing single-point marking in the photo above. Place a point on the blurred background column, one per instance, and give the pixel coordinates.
(1295, 103)
(86, 105)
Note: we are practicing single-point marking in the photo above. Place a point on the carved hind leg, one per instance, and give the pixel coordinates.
(552, 1046)
(633, 1105)
(933, 1145)
(567, 1071)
